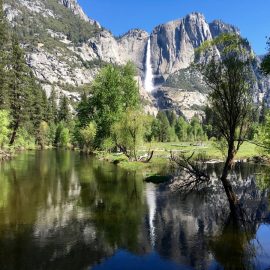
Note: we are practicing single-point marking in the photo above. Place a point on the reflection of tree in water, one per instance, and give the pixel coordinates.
(62, 211)
(233, 248)
(193, 228)
(115, 200)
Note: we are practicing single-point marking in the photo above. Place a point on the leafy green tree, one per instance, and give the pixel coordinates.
(24, 139)
(113, 91)
(264, 135)
(129, 132)
(131, 96)
(4, 127)
(108, 144)
(62, 136)
(197, 129)
(88, 135)
(229, 79)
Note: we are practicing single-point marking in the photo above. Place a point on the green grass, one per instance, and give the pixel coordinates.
(162, 154)
(247, 150)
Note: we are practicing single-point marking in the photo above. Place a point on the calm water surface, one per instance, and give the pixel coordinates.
(60, 210)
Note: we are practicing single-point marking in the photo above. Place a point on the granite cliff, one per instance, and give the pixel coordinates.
(66, 49)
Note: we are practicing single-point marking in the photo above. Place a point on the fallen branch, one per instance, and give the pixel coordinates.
(195, 175)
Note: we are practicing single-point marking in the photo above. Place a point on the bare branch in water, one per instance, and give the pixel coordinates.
(195, 172)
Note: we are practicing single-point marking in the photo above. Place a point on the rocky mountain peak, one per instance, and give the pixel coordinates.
(77, 10)
(218, 27)
(66, 49)
(135, 33)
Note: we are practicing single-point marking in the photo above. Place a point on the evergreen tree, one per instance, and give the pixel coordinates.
(83, 111)
(181, 129)
(265, 66)
(164, 127)
(171, 117)
(4, 44)
(52, 108)
(19, 88)
(64, 114)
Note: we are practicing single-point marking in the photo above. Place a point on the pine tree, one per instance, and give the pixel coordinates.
(3, 58)
(164, 126)
(52, 108)
(64, 112)
(37, 109)
(83, 111)
(19, 88)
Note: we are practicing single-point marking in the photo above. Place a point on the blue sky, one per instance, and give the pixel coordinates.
(252, 17)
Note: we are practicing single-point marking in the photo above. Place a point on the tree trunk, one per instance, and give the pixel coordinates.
(232, 198)
(13, 136)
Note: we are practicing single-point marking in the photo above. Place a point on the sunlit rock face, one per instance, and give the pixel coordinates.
(173, 43)
(55, 59)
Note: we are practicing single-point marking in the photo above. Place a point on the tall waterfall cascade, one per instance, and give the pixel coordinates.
(149, 77)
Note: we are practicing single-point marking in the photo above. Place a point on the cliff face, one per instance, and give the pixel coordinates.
(66, 49)
(173, 43)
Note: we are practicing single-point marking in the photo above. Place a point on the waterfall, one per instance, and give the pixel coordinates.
(148, 82)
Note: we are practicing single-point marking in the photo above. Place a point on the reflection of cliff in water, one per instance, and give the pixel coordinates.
(63, 211)
(191, 228)
(60, 210)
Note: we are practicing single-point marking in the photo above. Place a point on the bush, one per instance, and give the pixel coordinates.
(4, 128)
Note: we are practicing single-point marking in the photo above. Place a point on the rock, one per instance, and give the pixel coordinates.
(173, 43)
(56, 60)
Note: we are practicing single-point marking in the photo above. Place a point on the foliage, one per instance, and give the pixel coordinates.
(230, 96)
(265, 66)
(228, 75)
(108, 144)
(112, 93)
(62, 136)
(162, 127)
(4, 128)
(264, 135)
(64, 111)
(181, 129)
(129, 132)
(43, 134)
(88, 135)
(24, 139)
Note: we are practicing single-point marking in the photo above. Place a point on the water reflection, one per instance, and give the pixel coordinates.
(60, 210)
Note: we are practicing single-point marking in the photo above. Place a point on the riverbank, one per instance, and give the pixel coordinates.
(162, 151)
(6, 155)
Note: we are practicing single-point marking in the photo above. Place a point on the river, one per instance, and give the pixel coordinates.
(63, 210)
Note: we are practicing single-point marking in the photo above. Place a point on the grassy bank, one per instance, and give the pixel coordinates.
(162, 154)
